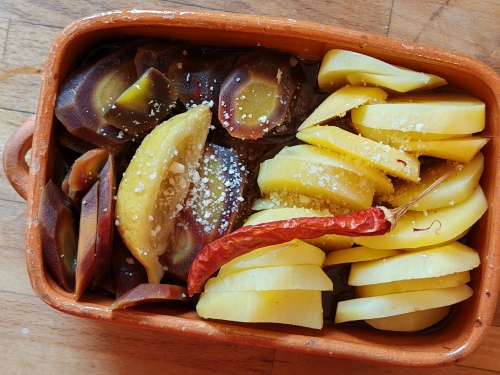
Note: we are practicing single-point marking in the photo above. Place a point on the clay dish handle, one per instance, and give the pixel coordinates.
(14, 163)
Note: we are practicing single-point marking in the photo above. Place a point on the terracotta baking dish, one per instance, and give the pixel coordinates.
(470, 320)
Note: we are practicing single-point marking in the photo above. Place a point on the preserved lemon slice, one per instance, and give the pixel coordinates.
(156, 183)
(439, 261)
(399, 303)
(410, 322)
(446, 281)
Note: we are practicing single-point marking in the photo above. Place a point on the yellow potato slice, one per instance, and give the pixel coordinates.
(155, 184)
(398, 138)
(384, 157)
(358, 254)
(341, 101)
(459, 149)
(338, 65)
(410, 322)
(303, 277)
(327, 183)
(394, 84)
(440, 261)
(443, 112)
(295, 307)
(285, 199)
(425, 228)
(321, 156)
(295, 252)
(399, 303)
(446, 281)
(454, 190)
(329, 242)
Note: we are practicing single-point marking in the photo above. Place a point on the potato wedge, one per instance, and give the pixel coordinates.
(399, 303)
(329, 242)
(425, 228)
(410, 322)
(458, 149)
(340, 67)
(291, 253)
(327, 183)
(454, 190)
(358, 254)
(439, 261)
(446, 281)
(341, 101)
(303, 277)
(295, 307)
(398, 138)
(156, 183)
(384, 157)
(442, 112)
(322, 156)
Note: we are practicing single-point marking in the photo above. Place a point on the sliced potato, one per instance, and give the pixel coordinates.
(459, 149)
(399, 303)
(412, 321)
(340, 67)
(322, 156)
(341, 101)
(327, 183)
(329, 242)
(295, 252)
(440, 261)
(441, 112)
(358, 254)
(398, 138)
(384, 157)
(446, 281)
(296, 307)
(454, 190)
(394, 84)
(152, 188)
(304, 277)
(425, 228)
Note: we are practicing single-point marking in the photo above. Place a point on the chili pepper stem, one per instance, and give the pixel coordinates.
(392, 215)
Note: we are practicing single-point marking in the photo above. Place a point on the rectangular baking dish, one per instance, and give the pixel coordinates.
(453, 342)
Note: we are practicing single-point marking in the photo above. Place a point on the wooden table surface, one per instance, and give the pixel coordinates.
(37, 339)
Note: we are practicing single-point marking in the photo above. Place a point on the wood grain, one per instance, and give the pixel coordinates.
(36, 339)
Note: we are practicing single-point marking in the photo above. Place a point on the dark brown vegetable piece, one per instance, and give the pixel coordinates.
(151, 293)
(105, 222)
(85, 95)
(144, 104)
(256, 96)
(59, 236)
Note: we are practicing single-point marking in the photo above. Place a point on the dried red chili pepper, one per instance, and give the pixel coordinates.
(371, 222)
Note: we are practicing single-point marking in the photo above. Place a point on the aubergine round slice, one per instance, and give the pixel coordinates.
(256, 96)
(144, 104)
(89, 91)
